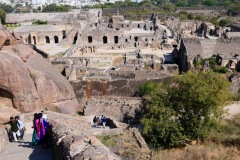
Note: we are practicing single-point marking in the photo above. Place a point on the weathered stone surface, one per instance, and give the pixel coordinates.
(121, 109)
(15, 79)
(52, 87)
(73, 140)
(4, 138)
(29, 80)
(3, 38)
(6, 112)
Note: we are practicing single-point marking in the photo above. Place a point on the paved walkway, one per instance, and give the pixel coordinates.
(24, 150)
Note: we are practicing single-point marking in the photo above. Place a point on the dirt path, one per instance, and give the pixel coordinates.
(24, 150)
(232, 110)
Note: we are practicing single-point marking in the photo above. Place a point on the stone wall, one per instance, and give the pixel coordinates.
(121, 109)
(23, 17)
(137, 74)
(119, 88)
(74, 138)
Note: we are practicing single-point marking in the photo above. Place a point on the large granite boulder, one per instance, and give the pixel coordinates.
(29, 80)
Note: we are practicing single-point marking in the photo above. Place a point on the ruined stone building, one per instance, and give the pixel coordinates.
(226, 50)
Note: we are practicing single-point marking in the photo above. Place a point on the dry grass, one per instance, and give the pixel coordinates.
(200, 152)
(222, 144)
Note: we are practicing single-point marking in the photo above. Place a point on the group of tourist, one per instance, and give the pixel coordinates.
(17, 130)
(99, 121)
(40, 130)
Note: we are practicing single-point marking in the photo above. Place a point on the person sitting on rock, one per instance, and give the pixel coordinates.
(21, 127)
(104, 121)
(14, 128)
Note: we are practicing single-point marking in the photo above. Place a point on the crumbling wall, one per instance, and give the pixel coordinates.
(74, 140)
(126, 109)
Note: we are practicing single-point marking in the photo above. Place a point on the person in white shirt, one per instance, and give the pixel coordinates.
(44, 116)
(21, 127)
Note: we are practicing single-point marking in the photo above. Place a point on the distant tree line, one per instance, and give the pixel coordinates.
(56, 8)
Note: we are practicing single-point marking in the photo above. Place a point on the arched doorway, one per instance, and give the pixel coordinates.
(75, 39)
(29, 40)
(139, 26)
(89, 39)
(105, 40)
(47, 39)
(56, 39)
(136, 39)
(116, 39)
(34, 40)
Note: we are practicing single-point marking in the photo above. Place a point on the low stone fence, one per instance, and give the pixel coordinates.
(74, 140)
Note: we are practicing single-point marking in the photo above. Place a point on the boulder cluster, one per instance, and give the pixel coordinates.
(30, 81)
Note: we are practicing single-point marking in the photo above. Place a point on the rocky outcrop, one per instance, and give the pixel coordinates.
(4, 138)
(30, 80)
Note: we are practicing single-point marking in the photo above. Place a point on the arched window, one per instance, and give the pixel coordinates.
(89, 39)
(105, 40)
(116, 39)
(139, 26)
(56, 39)
(47, 39)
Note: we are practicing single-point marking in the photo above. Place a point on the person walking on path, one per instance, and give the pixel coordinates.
(21, 127)
(14, 128)
(35, 139)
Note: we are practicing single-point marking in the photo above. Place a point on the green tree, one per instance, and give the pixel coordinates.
(223, 22)
(2, 15)
(7, 8)
(189, 108)
(198, 98)
(160, 128)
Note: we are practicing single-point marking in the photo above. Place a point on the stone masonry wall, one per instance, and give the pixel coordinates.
(121, 109)
(73, 139)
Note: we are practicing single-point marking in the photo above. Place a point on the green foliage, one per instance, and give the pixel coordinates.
(160, 128)
(2, 16)
(39, 22)
(183, 16)
(7, 8)
(109, 140)
(209, 2)
(199, 98)
(214, 21)
(56, 8)
(182, 3)
(188, 109)
(200, 17)
(221, 70)
(191, 16)
(212, 62)
(223, 22)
